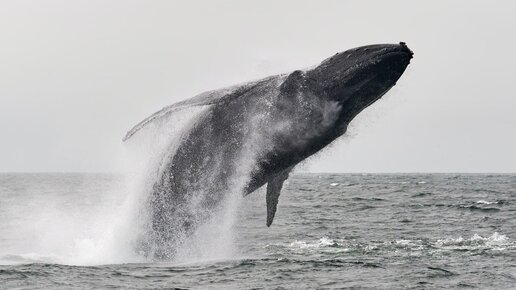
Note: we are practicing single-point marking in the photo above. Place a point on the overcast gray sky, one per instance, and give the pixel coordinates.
(76, 75)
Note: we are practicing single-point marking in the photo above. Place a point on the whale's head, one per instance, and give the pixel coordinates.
(358, 77)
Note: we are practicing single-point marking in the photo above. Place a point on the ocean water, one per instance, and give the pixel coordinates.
(331, 231)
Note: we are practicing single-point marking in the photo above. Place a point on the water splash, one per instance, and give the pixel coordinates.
(212, 236)
(101, 227)
(214, 239)
(49, 226)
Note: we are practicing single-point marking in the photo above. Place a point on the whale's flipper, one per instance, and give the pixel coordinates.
(203, 99)
(273, 192)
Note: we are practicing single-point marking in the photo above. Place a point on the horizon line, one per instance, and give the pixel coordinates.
(293, 173)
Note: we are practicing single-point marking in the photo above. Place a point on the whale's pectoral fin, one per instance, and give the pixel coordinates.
(204, 99)
(273, 192)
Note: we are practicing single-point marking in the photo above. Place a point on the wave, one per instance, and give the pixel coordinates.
(479, 208)
(422, 194)
(494, 243)
(29, 258)
(490, 202)
(481, 205)
(342, 184)
(322, 242)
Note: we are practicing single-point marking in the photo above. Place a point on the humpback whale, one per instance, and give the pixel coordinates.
(254, 134)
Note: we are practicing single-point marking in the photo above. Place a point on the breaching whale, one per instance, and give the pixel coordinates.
(254, 134)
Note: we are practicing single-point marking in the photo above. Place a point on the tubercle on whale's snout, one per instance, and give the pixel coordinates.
(409, 51)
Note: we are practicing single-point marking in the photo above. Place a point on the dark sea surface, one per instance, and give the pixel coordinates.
(331, 231)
